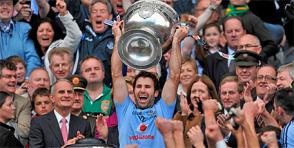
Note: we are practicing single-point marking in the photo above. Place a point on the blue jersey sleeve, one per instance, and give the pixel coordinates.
(165, 110)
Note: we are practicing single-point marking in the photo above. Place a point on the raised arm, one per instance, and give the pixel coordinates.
(204, 17)
(43, 7)
(171, 85)
(120, 89)
(73, 32)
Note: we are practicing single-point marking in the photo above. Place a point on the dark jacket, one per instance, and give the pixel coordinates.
(254, 25)
(100, 46)
(217, 67)
(45, 130)
(7, 138)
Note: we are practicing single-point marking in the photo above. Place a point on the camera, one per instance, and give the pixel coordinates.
(233, 113)
(28, 2)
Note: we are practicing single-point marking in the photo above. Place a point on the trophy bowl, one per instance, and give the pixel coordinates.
(147, 26)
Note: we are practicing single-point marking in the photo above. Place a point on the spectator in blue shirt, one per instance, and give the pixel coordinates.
(14, 38)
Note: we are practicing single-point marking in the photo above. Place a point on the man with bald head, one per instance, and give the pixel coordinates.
(38, 78)
(250, 42)
(57, 127)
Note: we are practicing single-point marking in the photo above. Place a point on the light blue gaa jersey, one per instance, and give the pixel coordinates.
(287, 135)
(137, 126)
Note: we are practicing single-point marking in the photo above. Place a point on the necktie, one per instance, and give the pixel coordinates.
(232, 66)
(64, 130)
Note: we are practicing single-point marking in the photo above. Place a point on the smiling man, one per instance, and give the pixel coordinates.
(136, 121)
(246, 65)
(14, 37)
(57, 127)
(61, 63)
(22, 119)
(97, 38)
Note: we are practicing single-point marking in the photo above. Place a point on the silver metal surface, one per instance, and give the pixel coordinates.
(147, 26)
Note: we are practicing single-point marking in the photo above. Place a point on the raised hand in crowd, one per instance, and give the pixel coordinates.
(165, 127)
(248, 86)
(236, 129)
(22, 88)
(264, 118)
(214, 135)
(184, 106)
(101, 127)
(222, 120)
(23, 7)
(251, 109)
(271, 90)
(196, 137)
(61, 7)
(172, 132)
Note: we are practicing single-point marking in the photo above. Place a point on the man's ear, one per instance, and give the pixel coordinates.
(52, 99)
(280, 111)
(156, 93)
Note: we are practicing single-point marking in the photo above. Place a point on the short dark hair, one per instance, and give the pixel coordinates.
(227, 18)
(3, 96)
(91, 57)
(40, 92)
(145, 74)
(285, 99)
(17, 59)
(8, 65)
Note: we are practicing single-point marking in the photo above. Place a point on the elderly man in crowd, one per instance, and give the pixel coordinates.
(57, 127)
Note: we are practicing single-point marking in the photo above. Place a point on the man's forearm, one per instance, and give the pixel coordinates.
(251, 137)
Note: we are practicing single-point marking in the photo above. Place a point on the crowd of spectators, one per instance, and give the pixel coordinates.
(227, 84)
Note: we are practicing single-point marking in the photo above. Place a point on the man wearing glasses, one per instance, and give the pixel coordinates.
(250, 42)
(265, 85)
(21, 123)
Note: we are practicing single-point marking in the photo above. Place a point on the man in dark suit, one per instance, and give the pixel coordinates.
(221, 63)
(58, 126)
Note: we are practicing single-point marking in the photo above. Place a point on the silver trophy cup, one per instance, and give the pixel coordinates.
(147, 26)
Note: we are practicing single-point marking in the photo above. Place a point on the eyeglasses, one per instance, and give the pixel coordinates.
(244, 47)
(266, 77)
(8, 76)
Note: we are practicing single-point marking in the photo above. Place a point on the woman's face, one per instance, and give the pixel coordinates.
(45, 34)
(199, 92)
(43, 105)
(187, 74)
(7, 110)
(212, 36)
(20, 73)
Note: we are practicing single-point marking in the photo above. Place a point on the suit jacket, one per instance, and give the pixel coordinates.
(217, 67)
(45, 130)
(22, 120)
